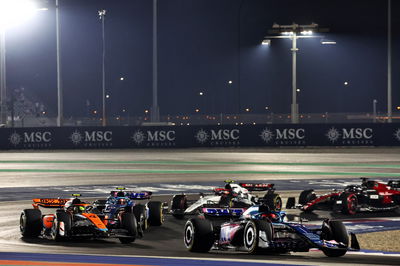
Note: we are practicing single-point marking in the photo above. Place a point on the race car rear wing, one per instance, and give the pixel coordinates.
(223, 212)
(142, 195)
(257, 186)
(49, 203)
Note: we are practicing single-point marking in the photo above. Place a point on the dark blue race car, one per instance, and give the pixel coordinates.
(122, 201)
(261, 230)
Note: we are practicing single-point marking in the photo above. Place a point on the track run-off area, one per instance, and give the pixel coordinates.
(28, 174)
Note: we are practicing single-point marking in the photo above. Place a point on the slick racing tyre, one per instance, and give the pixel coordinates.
(179, 203)
(128, 222)
(198, 235)
(140, 214)
(274, 201)
(349, 203)
(156, 216)
(251, 237)
(30, 222)
(335, 230)
(61, 226)
(305, 196)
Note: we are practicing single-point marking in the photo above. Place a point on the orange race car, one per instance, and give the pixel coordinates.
(74, 219)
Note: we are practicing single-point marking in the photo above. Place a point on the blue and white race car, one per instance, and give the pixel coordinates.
(261, 230)
(123, 201)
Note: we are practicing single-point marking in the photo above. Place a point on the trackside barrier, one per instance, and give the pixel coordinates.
(200, 136)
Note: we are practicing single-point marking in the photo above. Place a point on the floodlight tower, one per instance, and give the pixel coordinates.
(60, 105)
(12, 12)
(155, 110)
(102, 17)
(294, 32)
(3, 104)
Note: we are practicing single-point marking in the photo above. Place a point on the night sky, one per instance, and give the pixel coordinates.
(202, 45)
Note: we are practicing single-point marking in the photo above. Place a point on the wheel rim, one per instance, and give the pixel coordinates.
(162, 216)
(22, 223)
(351, 204)
(189, 232)
(278, 205)
(250, 236)
(54, 229)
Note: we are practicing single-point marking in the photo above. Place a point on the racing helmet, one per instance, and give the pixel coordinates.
(120, 194)
(266, 212)
(71, 205)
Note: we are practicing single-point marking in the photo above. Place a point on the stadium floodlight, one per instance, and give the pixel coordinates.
(13, 12)
(327, 42)
(294, 32)
(266, 42)
(307, 32)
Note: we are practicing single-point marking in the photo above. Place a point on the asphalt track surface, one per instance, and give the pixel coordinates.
(21, 173)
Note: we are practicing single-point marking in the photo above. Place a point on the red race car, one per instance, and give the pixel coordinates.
(369, 196)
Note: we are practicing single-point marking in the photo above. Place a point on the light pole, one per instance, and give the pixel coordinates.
(102, 16)
(59, 80)
(3, 90)
(389, 74)
(374, 102)
(155, 111)
(294, 32)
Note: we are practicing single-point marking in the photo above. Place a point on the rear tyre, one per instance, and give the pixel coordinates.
(198, 235)
(335, 230)
(179, 204)
(30, 223)
(266, 226)
(274, 201)
(61, 226)
(129, 223)
(350, 202)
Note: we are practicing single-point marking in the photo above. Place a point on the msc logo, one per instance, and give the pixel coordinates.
(155, 138)
(351, 135)
(284, 136)
(34, 139)
(397, 134)
(218, 137)
(92, 138)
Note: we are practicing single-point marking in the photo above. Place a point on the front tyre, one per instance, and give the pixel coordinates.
(198, 235)
(61, 226)
(30, 222)
(250, 237)
(335, 230)
(178, 206)
(128, 222)
(140, 214)
(156, 216)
